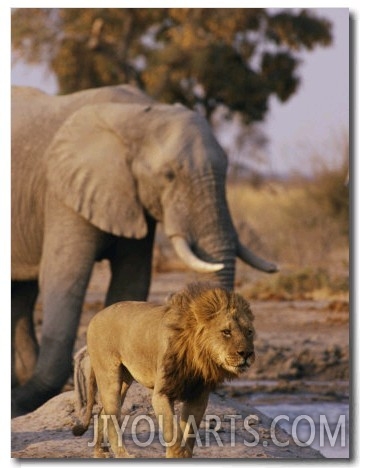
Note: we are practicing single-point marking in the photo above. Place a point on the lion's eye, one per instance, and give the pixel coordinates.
(226, 332)
(169, 175)
(250, 332)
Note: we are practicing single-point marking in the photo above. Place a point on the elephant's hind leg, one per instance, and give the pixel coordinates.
(131, 264)
(24, 343)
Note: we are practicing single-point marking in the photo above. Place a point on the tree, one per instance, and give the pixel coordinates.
(199, 57)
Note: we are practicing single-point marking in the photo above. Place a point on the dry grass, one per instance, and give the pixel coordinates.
(301, 224)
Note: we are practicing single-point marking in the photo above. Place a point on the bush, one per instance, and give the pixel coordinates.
(302, 225)
(331, 191)
(297, 285)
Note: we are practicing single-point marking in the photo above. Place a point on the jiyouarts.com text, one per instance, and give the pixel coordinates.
(228, 429)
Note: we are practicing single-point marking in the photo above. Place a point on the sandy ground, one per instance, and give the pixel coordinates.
(302, 355)
(46, 433)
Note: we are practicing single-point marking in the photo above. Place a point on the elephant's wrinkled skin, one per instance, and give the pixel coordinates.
(92, 173)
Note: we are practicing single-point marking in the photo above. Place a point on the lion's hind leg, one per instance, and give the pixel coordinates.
(112, 388)
(127, 380)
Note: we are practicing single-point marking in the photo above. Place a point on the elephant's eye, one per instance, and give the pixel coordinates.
(226, 332)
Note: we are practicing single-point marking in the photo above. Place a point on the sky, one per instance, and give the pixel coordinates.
(316, 120)
(312, 124)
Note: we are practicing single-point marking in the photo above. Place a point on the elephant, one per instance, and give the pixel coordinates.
(92, 174)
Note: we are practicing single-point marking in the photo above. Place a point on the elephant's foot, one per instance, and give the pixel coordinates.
(25, 352)
(30, 396)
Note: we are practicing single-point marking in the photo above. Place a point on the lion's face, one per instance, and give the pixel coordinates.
(212, 338)
(231, 337)
(226, 326)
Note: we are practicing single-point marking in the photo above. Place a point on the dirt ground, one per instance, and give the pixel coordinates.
(302, 355)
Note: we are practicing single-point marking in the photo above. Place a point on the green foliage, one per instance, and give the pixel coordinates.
(199, 57)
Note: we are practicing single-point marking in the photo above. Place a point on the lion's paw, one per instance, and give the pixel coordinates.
(100, 453)
(122, 453)
(178, 452)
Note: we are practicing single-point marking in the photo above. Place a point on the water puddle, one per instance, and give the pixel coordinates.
(322, 425)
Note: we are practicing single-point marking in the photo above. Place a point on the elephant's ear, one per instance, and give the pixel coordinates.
(88, 168)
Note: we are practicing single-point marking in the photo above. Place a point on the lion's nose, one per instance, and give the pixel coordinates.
(245, 354)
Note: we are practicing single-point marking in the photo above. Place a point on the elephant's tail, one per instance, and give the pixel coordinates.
(85, 390)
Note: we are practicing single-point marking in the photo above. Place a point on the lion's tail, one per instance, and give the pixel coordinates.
(85, 390)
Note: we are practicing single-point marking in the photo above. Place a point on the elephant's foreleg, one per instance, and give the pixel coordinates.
(131, 264)
(24, 343)
(69, 251)
(62, 298)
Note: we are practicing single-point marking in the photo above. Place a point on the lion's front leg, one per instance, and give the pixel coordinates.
(191, 417)
(171, 431)
(101, 450)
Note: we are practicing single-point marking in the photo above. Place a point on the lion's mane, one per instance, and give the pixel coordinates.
(188, 366)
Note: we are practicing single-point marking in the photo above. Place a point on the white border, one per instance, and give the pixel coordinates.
(360, 12)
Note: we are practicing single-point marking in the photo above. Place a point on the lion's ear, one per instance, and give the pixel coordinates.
(177, 301)
(206, 306)
(198, 299)
(203, 313)
(169, 298)
(244, 305)
(189, 306)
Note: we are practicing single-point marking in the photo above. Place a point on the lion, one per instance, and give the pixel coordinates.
(181, 350)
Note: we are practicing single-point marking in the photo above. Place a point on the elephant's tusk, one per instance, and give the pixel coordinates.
(185, 253)
(253, 260)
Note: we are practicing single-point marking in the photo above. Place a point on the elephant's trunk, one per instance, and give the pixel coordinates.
(219, 250)
(224, 272)
(204, 236)
(253, 260)
(215, 240)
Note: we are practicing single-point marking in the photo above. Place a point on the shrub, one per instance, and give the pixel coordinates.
(300, 284)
